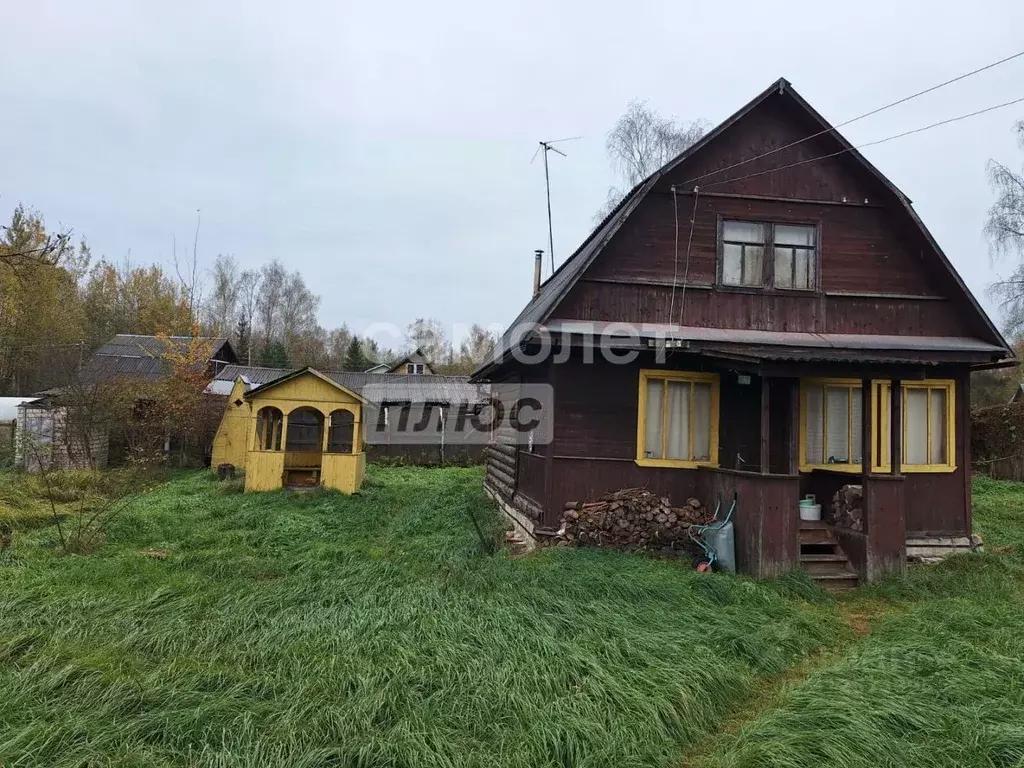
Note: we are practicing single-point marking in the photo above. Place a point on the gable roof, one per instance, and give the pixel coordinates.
(138, 356)
(302, 372)
(375, 387)
(555, 288)
(409, 358)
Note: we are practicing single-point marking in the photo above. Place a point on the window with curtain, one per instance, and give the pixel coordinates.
(793, 250)
(833, 430)
(678, 419)
(929, 434)
(795, 256)
(832, 436)
(742, 253)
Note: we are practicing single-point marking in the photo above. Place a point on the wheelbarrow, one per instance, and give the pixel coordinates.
(716, 540)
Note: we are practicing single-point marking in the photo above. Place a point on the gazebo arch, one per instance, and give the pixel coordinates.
(269, 428)
(341, 435)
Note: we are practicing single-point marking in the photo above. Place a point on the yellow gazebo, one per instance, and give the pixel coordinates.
(302, 429)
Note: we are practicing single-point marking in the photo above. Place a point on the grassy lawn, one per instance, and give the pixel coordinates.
(319, 630)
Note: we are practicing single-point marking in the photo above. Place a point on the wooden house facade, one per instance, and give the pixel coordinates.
(765, 315)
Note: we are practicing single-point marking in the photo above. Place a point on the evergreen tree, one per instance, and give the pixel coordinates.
(243, 334)
(355, 360)
(275, 356)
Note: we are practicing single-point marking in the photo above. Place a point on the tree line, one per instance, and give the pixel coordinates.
(58, 305)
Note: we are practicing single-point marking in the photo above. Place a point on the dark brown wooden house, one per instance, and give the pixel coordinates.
(790, 326)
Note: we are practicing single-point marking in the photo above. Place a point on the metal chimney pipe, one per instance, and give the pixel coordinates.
(538, 256)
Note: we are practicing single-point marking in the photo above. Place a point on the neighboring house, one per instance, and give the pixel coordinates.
(379, 368)
(299, 429)
(44, 421)
(414, 364)
(388, 394)
(805, 313)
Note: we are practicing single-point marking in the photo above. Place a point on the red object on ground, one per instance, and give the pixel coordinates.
(704, 567)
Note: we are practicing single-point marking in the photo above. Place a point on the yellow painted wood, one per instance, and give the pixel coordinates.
(641, 422)
(880, 417)
(265, 469)
(229, 443)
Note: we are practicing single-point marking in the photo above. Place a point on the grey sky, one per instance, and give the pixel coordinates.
(384, 149)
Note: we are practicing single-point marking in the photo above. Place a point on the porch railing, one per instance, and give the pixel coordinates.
(765, 521)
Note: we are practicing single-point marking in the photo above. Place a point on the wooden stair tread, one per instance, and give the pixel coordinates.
(823, 557)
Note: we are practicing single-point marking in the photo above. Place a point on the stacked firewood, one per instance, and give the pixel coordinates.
(847, 508)
(632, 519)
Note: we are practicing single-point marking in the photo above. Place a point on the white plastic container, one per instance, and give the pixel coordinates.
(809, 510)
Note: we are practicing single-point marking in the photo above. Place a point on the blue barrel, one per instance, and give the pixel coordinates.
(723, 541)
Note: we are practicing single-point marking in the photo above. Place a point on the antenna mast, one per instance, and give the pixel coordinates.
(546, 147)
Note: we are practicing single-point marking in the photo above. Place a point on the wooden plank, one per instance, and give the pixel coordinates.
(765, 425)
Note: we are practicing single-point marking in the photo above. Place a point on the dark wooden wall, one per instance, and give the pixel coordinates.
(878, 272)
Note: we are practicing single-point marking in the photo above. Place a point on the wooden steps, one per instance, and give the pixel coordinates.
(823, 558)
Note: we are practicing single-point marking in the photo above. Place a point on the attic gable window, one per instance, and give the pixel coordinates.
(793, 251)
(414, 368)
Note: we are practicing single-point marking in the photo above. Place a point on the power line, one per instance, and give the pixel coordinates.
(870, 143)
(834, 128)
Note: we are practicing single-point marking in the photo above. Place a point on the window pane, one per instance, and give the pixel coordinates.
(837, 441)
(916, 416)
(804, 271)
(743, 231)
(652, 443)
(794, 235)
(753, 257)
(937, 449)
(678, 420)
(857, 427)
(784, 267)
(702, 422)
(732, 260)
(815, 441)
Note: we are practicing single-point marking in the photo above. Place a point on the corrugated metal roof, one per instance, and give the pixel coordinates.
(376, 387)
(839, 341)
(136, 356)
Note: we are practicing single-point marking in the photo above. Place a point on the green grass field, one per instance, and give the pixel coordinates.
(320, 630)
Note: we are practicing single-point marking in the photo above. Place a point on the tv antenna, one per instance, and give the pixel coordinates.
(546, 146)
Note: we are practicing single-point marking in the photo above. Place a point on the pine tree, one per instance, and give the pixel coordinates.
(243, 334)
(275, 356)
(355, 360)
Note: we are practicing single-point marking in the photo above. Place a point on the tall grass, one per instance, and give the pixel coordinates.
(322, 630)
(940, 682)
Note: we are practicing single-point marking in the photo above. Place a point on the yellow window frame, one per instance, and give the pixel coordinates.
(648, 374)
(881, 414)
(883, 399)
(851, 384)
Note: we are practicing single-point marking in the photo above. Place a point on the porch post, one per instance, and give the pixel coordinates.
(794, 427)
(896, 426)
(765, 425)
(867, 394)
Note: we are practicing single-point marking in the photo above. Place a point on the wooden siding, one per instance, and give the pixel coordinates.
(765, 520)
(530, 477)
(871, 247)
(759, 310)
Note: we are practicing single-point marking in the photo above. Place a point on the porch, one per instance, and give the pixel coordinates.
(772, 470)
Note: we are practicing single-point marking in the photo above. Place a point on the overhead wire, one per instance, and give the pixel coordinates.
(868, 144)
(834, 128)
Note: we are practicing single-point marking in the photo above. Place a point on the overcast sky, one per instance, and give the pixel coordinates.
(384, 149)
